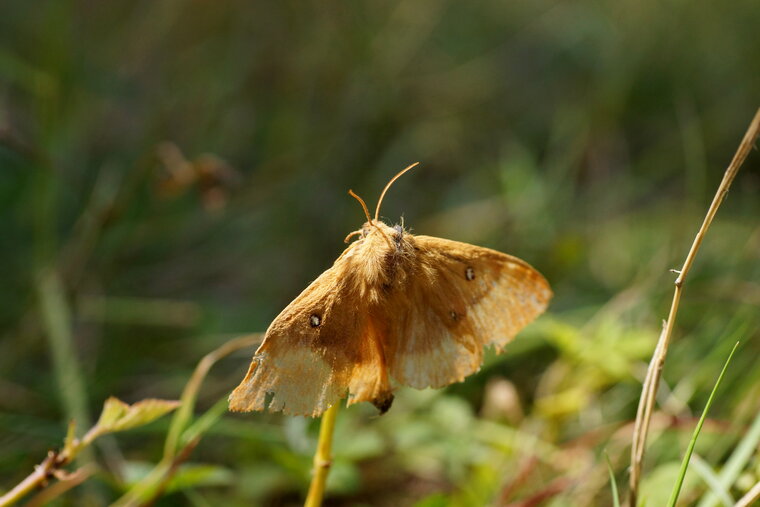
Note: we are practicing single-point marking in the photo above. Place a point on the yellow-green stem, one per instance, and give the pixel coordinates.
(322, 458)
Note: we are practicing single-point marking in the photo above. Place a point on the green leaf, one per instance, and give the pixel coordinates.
(120, 416)
(113, 410)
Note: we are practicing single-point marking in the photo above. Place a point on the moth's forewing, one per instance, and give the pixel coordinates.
(459, 299)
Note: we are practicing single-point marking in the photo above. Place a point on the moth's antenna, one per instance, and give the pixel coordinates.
(364, 206)
(380, 201)
(369, 219)
(351, 235)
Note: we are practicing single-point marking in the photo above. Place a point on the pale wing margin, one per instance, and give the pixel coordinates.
(462, 299)
(286, 358)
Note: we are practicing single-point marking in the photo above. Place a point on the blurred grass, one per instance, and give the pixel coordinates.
(583, 137)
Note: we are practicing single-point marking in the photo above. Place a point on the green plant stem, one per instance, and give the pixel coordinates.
(687, 457)
(322, 458)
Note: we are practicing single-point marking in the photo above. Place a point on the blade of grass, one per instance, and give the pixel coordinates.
(56, 316)
(685, 463)
(613, 484)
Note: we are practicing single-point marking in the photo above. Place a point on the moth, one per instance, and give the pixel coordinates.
(394, 309)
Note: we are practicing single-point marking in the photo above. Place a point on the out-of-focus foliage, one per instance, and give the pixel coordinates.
(173, 173)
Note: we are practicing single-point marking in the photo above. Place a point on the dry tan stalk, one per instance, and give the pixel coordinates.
(651, 382)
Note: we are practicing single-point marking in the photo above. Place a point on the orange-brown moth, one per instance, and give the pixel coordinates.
(393, 309)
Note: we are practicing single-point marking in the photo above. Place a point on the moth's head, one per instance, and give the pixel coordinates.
(366, 229)
(376, 228)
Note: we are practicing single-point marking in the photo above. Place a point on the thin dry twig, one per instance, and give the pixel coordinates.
(651, 382)
(39, 477)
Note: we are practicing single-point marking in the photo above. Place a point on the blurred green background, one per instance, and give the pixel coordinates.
(173, 173)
